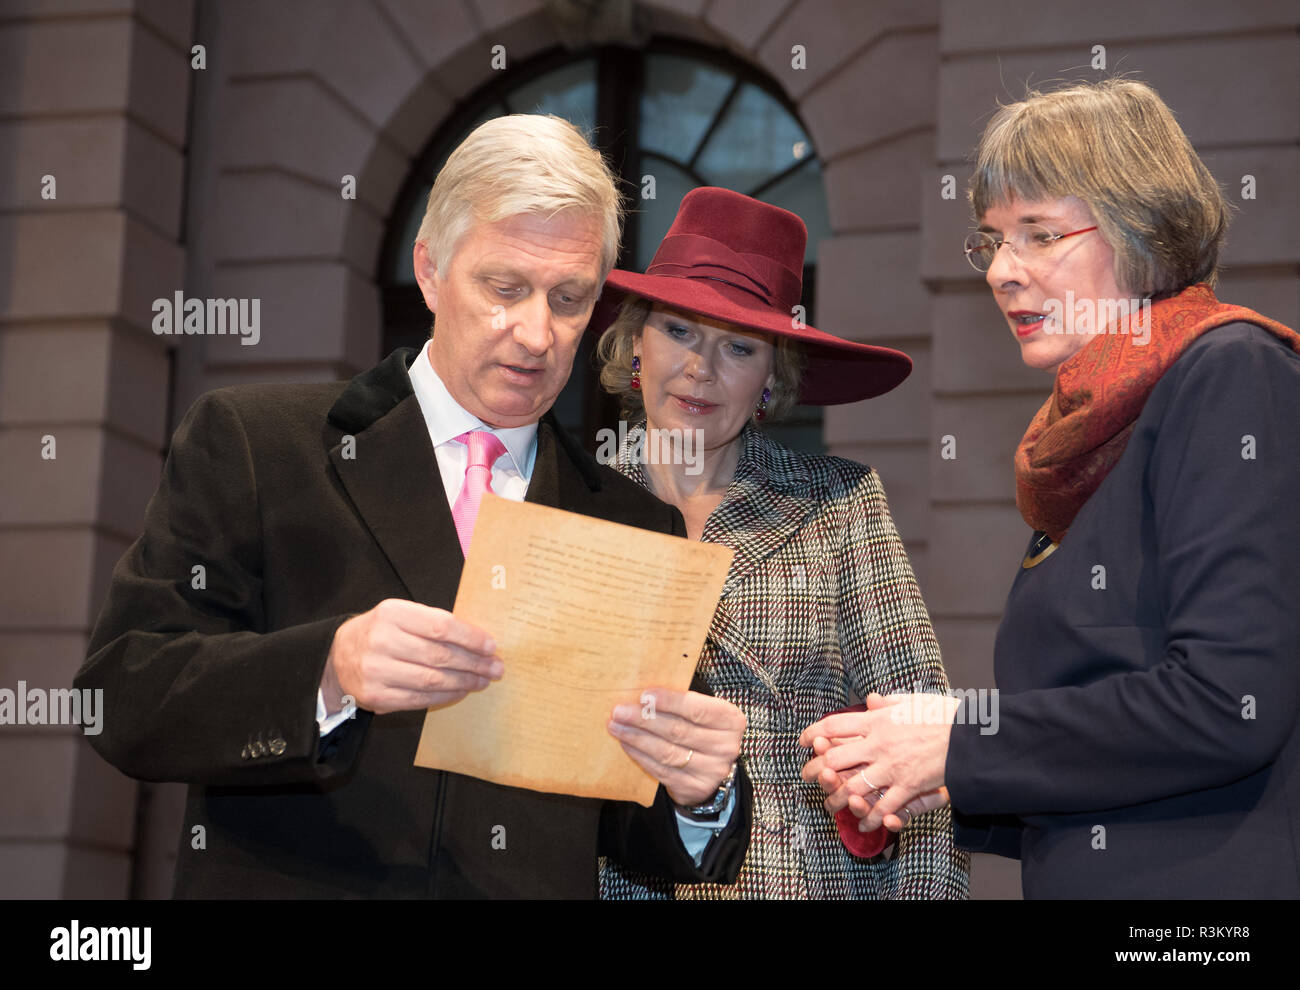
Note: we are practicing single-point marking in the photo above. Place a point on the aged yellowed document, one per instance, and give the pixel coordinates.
(586, 615)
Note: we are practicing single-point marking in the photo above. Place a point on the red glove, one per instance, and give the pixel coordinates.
(865, 845)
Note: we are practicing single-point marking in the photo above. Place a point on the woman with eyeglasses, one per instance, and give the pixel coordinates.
(1148, 660)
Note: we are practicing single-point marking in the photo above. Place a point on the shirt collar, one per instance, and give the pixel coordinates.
(446, 419)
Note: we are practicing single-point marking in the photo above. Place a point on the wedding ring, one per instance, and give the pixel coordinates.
(870, 785)
(908, 812)
(689, 754)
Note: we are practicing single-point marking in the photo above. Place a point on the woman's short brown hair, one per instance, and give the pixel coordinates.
(1115, 145)
(618, 342)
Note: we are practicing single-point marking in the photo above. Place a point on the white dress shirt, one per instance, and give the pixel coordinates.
(445, 420)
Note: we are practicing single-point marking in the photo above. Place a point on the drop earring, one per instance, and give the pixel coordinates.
(760, 413)
(636, 372)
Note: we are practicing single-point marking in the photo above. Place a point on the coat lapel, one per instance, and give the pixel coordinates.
(766, 504)
(544, 485)
(392, 478)
(768, 501)
(564, 475)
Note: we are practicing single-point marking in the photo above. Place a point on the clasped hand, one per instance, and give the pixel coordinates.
(884, 764)
(402, 655)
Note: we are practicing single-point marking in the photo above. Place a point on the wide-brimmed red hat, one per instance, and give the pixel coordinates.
(739, 260)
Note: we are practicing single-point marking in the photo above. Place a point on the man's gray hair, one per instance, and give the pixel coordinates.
(514, 165)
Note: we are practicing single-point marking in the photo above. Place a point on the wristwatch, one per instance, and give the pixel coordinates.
(711, 810)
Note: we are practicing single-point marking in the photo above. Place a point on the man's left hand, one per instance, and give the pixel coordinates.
(685, 740)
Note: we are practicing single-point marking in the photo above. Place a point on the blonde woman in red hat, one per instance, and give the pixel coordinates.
(821, 604)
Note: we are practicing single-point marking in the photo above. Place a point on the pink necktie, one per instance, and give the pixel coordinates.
(484, 449)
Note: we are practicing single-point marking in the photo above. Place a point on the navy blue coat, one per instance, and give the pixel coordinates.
(1149, 740)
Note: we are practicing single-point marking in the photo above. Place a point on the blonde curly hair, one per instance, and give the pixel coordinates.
(618, 343)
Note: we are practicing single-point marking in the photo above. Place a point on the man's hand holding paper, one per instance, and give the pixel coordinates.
(402, 655)
(586, 614)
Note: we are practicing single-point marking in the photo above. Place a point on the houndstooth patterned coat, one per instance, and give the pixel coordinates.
(820, 598)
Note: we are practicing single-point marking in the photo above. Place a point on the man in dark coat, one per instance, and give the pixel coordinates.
(275, 636)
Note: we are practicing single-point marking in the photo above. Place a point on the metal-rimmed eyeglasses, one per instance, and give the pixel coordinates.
(1032, 242)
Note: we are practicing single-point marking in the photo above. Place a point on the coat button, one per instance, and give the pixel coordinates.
(278, 745)
(258, 748)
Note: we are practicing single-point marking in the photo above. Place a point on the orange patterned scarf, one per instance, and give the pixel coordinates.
(1080, 432)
